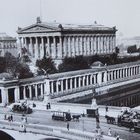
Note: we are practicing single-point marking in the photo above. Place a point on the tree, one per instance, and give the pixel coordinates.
(14, 66)
(2, 64)
(71, 64)
(23, 71)
(47, 65)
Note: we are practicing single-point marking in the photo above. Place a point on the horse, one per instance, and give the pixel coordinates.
(110, 119)
(76, 117)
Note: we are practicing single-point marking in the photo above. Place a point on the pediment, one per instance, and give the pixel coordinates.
(38, 28)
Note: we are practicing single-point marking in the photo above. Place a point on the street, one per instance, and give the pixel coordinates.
(84, 124)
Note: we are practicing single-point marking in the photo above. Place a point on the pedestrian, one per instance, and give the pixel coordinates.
(97, 122)
(106, 108)
(117, 137)
(26, 119)
(11, 117)
(24, 128)
(5, 117)
(109, 132)
(49, 106)
(68, 126)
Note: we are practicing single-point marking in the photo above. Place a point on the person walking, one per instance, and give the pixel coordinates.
(106, 108)
(109, 132)
(68, 126)
(11, 117)
(117, 137)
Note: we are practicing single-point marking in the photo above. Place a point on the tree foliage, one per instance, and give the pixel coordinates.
(71, 64)
(13, 65)
(47, 65)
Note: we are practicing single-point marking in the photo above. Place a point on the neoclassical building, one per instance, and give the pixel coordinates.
(7, 44)
(66, 40)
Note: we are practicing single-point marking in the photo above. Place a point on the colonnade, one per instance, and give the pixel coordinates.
(71, 83)
(14, 94)
(58, 47)
(31, 91)
(67, 83)
(124, 72)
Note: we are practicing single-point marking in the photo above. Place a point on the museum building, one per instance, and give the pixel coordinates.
(7, 44)
(58, 41)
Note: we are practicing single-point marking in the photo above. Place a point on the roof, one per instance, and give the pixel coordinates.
(5, 37)
(45, 26)
(97, 64)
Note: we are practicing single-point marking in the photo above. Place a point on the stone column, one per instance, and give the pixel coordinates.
(73, 46)
(41, 88)
(57, 84)
(91, 80)
(75, 82)
(16, 94)
(42, 48)
(84, 80)
(24, 93)
(54, 47)
(36, 48)
(60, 50)
(66, 84)
(105, 77)
(82, 46)
(88, 50)
(31, 47)
(79, 82)
(69, 47)
(48, 50)
(52, 87)
(85, 47)
(71, 83)
(87, 80)
(20, 46)
(36, 92)
(4, 94)
(64, 46)
(30, 91)
(95, 46)
(62, 88)
(47, 90)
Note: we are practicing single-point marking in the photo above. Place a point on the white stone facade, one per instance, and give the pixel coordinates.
(7, 44)
(58, 41)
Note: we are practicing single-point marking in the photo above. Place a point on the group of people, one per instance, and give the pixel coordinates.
(8, 117)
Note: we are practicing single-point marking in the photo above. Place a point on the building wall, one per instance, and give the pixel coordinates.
(8, 46)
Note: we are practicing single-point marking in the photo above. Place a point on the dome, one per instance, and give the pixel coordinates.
(97, 64)
(6, 76)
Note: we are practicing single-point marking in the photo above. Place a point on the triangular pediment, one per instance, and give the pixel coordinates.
(39, 28)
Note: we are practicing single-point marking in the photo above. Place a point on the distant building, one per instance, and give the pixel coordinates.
(66, 40)
(7, 44)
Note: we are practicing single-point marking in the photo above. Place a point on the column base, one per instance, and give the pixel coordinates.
(47, 99)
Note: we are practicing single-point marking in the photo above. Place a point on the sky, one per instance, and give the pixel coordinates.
(124, 14)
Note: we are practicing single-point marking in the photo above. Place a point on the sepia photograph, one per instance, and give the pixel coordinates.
(70, 70)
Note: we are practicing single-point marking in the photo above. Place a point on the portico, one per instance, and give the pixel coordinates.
(58, 41)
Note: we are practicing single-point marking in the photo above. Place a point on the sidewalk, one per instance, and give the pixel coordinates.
(75, 108)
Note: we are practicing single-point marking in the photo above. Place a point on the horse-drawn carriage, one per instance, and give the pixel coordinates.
(20, 108)
(110, 119)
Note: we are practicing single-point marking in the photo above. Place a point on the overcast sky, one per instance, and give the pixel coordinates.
(124, 14)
